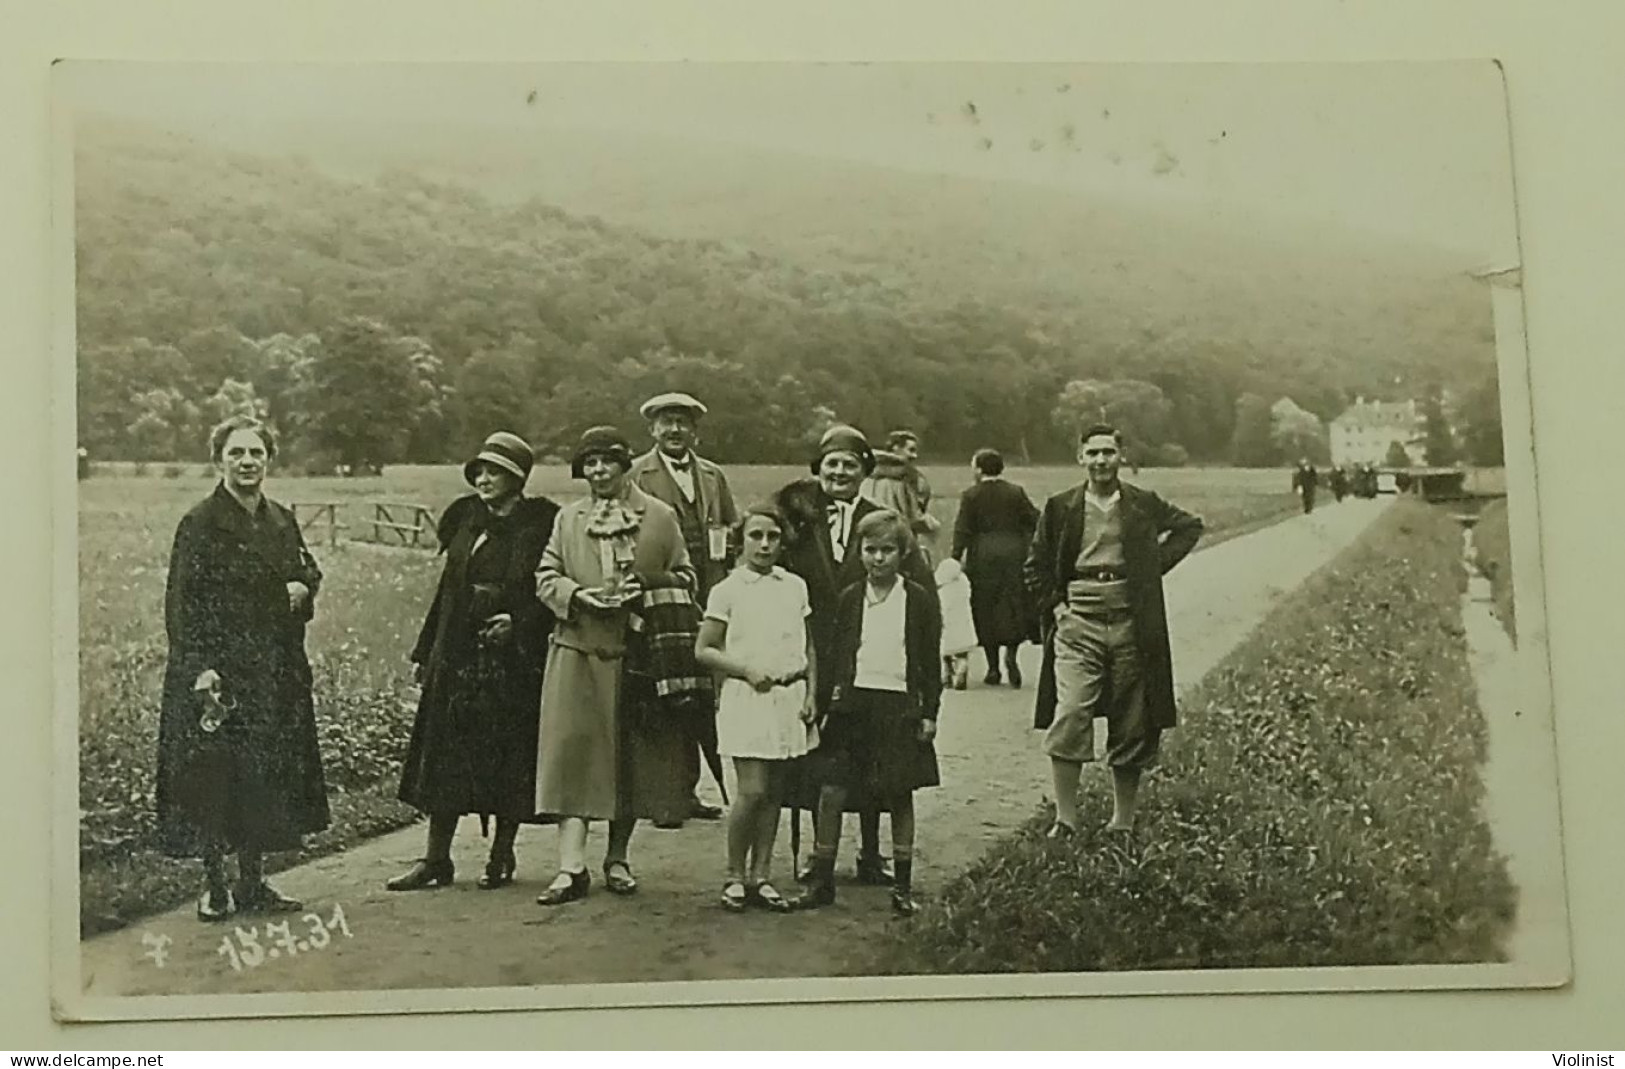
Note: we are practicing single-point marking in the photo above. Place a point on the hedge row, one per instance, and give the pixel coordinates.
(1319, 804)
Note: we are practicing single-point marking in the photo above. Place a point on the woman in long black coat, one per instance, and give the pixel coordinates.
(991, 535)
(239, 769)
(479, 658)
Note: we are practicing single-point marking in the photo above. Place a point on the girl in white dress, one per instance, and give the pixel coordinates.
(755, 636)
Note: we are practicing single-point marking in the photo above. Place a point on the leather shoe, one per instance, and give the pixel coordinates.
(216, 904)
(498, 873)
(619, 879)
(874, 871)
(570, 892)
(423, 873)
(263, 898)
(701, 811)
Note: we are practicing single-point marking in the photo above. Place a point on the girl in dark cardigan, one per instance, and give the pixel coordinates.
(479, 658)
(886, 688)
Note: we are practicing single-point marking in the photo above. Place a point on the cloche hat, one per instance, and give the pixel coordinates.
(507, 451)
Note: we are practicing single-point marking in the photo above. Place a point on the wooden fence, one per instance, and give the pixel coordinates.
(312, 516)
(402, 524)
(392, 523)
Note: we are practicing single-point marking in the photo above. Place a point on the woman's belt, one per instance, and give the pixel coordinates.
(1100, 575)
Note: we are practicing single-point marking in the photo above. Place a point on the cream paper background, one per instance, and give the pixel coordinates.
(1565, 86)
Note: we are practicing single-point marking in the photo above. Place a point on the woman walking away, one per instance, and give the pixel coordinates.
(886, 679)
(479, 660)
(756, 635)
(239, 770)
(991, 534)
(606, 750)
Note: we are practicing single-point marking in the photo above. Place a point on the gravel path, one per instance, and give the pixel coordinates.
(993, 775)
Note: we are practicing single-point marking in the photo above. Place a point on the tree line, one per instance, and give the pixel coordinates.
(399, 319)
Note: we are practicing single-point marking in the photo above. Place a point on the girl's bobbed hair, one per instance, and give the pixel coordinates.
(884, 523)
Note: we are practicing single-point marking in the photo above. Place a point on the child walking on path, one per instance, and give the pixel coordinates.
(958, 626)
(878, 732)
(755, 634)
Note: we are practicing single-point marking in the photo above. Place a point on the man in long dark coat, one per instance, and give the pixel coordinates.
(823, 514)
(1304, 480)
(697, 490)
(1095, 569)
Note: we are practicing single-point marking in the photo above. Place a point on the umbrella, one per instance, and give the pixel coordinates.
(705, 722)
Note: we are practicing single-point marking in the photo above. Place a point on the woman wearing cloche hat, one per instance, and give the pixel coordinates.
(479, 659)
(606, 752)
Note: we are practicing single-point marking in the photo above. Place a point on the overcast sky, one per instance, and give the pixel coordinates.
(1408, 150)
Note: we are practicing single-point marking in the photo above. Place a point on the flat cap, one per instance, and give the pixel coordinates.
(661, 402)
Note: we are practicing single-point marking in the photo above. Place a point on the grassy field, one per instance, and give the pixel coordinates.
(1319, 806)
(371, 605)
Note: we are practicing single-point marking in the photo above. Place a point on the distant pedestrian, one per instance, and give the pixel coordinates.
(1304, 480)
(898, 484)
(1339, 482)
(958, 623)
(991, 535)
(756, 636)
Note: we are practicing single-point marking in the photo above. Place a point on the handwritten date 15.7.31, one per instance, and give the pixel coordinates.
(248, 952)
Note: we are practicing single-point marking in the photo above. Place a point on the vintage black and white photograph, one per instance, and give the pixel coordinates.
(610, 534)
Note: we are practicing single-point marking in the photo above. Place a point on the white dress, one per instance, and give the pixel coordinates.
(958, 626)
(767, 630)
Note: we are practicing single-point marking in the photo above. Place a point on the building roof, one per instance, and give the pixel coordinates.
(1378, 415)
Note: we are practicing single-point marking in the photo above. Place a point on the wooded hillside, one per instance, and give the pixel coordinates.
(403, 317)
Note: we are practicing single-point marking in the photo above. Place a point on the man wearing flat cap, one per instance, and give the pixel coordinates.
(697, 490)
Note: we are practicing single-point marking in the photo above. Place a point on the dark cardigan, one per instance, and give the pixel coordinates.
(922, 641)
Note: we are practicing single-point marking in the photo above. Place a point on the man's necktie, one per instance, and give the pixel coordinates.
(837, 531)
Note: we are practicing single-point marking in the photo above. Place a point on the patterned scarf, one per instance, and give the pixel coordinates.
(613, 525)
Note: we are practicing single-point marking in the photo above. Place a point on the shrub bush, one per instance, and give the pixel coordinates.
(1170, 455)
(1319, 804)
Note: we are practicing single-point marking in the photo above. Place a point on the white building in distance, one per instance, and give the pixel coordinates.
(1366, 429)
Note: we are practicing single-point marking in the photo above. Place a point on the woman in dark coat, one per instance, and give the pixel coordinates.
(479, 658)
(991, 536)
(239, 770)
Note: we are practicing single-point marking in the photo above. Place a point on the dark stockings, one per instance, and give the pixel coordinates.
(502, 843)
(442, 827)
(992, 655)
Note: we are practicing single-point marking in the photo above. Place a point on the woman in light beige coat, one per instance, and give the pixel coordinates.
(604, 752)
